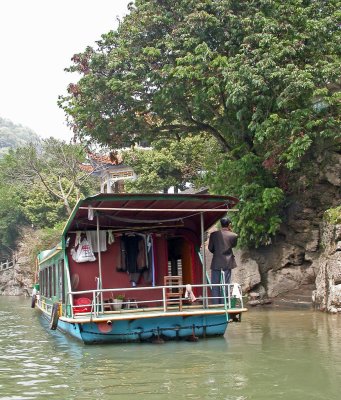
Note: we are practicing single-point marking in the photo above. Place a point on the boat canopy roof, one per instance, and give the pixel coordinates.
(148, 212)
(48, 254)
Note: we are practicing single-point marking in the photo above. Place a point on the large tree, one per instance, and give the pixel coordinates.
(261, 77)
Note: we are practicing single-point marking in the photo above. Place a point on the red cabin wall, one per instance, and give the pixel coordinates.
(111, 278)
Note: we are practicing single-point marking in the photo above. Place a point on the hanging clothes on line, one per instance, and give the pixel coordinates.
(148, 274)
(111, 237)
(134, 258)
(92, 238)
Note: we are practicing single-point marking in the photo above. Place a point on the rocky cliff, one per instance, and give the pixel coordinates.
(300, 250)
(327, 296)
(17, 281)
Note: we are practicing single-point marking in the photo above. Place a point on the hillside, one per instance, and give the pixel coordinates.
(14, 135)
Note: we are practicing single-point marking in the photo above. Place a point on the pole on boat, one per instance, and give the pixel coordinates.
(204, 281)
(99, 261)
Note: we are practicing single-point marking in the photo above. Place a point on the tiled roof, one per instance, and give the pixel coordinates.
(98, 162)
(86, 167)
(192, 190)
(113, 158)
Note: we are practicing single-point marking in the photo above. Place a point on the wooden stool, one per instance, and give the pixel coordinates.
(173, 291)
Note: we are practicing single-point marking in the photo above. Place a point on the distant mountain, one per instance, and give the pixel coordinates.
(14, 135)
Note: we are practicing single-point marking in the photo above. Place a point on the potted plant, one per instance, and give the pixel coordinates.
(117, 302)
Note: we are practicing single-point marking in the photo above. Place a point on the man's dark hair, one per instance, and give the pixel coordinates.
(225, 222)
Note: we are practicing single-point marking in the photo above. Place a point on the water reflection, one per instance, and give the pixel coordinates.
(270, 355)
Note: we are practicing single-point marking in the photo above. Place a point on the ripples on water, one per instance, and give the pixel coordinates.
(285, 355)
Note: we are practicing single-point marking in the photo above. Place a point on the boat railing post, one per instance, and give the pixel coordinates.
(71, 304)
(98, 302)
(241, 296)
(93, 306)
(229, 294)
(223, 289)
(164, 299)
(66, 305)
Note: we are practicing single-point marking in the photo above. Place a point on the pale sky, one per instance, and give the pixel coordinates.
(37, 40)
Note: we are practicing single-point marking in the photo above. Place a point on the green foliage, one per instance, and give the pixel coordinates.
(259, 217)
(45, 238)
(39, 185)
(53, 168)
(42, 209)
(11, 218)
(157, 170)
(333, 215)
(260, 77)
(168, 163)
(244, 72)
(261, 202)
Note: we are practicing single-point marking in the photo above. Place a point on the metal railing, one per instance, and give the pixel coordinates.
(230, 297)
(4, 266)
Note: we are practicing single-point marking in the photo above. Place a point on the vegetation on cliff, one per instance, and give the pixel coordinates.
(260, 78)
(333, 215)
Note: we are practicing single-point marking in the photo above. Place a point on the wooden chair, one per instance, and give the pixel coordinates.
(173, 291)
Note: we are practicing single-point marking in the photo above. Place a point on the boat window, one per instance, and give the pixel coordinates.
(61, 280)
(49, 294)
(54, 282)
(41, 282)
(45, 282)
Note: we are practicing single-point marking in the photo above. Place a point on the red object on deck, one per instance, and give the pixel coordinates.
(82, 305)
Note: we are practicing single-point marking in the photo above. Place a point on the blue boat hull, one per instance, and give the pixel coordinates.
(146, 329)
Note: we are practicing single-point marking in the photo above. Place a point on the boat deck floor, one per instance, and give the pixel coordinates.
(156, 312)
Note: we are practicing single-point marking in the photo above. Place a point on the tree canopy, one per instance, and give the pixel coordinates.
(260, 77)
(170, 164)
(39, 185)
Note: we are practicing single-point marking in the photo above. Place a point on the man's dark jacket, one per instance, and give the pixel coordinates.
(221, 244)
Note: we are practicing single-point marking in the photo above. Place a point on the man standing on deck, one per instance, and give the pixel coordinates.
(220, 244)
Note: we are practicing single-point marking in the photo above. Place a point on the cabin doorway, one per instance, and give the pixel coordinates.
(180, 259)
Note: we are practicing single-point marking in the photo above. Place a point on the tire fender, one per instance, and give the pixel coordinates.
(54, 316)
(33, 300)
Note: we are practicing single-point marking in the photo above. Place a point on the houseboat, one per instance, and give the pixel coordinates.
(131, 267)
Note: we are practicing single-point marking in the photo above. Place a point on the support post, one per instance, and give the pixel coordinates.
(204, 280)
(99, 263)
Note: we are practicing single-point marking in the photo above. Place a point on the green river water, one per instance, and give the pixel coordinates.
(272, 354)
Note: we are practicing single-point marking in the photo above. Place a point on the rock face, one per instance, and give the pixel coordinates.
(327, 296)
(247, 272)
(298, 253)
(17, 281)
